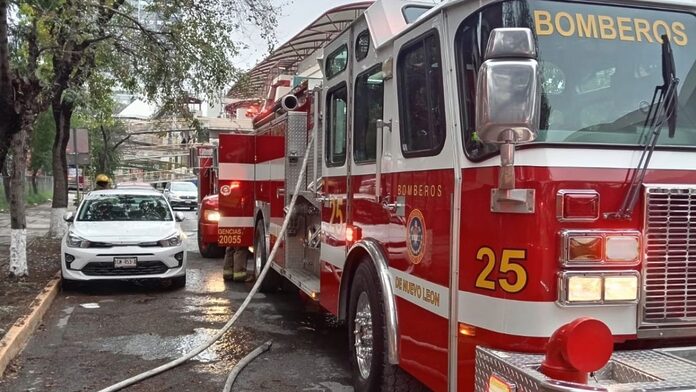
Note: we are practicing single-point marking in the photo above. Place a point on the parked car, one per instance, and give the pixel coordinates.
(208, 218)
(123, 234)
(135, 185)
(75, 179)
(182, 194)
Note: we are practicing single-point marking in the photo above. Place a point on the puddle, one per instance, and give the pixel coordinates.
(91, 305)
(231, 346)
(199, 282)
(206, 309)
(151, 347)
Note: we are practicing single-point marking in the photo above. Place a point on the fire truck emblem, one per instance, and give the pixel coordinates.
(225, 190)
(415, 229)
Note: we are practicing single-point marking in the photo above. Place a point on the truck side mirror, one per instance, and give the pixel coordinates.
(508, 104)
(508, 98)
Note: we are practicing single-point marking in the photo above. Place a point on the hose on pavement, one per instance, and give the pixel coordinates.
(172, 364)
(242, 364)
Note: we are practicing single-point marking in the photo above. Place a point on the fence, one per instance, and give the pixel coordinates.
(44, 190)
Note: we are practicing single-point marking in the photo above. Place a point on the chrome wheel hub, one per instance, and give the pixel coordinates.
(362, 333)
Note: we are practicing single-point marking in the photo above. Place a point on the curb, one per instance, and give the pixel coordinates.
(19, 333)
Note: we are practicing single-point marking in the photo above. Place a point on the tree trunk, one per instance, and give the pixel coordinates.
(34, 185)
(10, 120)
(18, 221)
(6, 183)
(62, 114)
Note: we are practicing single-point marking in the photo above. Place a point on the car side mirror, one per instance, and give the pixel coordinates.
(179, 216)
(508, 105)
(69, 216)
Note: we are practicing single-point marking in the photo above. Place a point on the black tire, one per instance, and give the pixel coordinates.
(178, 282)
(209, 251)
(273, 281)
(379, 375)
(68, 284)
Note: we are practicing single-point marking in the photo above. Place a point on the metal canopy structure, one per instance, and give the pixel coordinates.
(285, 58)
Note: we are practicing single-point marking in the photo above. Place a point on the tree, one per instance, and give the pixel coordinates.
(165, 51)
(20, 101)
(41, 146)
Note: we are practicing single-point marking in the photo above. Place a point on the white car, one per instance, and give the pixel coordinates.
(123, 234)
(182, 194)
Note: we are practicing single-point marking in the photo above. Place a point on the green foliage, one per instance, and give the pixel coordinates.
(42, 143)
(38, 198)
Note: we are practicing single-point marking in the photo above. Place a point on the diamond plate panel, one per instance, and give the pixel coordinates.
(297, 255)
(640, 370)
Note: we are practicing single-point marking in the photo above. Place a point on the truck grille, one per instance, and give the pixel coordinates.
(670, 256)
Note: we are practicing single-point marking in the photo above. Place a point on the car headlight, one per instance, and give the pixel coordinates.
(174, 240)
(75, 241)
(211, 216)
(586, 288)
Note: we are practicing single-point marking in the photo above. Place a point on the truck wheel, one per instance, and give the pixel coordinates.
(273, 280)
(367, 338)
(209, 251)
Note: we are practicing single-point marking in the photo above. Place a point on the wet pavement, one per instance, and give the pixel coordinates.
(104, 333)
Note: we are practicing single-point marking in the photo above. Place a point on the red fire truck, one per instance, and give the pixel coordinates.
(491, 181)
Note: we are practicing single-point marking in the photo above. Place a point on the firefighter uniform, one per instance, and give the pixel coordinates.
(235, 267)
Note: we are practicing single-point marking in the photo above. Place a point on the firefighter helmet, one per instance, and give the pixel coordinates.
(103, 181)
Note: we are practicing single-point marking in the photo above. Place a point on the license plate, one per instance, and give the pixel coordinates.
(125, 262)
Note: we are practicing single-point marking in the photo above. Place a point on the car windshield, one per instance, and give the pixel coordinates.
(111, 207)
(599, 64)
(183, 187)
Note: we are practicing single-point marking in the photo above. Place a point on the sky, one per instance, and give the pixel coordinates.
(295, 16)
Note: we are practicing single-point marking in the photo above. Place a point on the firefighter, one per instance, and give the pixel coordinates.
(235, 267)
(103, 182)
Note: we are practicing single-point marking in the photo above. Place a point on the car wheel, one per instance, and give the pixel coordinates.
(69, 284)
(178, 282)
(273, 281)
(368, 338)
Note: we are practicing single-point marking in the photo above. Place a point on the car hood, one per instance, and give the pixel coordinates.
(184, 193)
(124, 231)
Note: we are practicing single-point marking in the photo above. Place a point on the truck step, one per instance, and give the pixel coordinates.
(303, 279)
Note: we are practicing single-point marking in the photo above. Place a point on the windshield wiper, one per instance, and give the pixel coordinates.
(663, 109)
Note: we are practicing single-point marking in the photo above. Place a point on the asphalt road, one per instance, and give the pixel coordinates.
(105, 333)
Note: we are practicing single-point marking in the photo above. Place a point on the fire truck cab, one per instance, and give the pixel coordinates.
(489, 181)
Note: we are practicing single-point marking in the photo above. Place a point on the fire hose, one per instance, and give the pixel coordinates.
(172, 364)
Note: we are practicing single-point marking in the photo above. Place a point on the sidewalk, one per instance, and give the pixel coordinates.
(38, 221)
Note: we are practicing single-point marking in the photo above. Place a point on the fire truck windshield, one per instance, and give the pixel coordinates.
(600, 65)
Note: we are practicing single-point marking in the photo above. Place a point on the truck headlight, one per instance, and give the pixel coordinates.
(174, 240)
(588, 288)
(584, 288)
(211, 216)
(600, 248)
(75, 241)
(621, 288)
